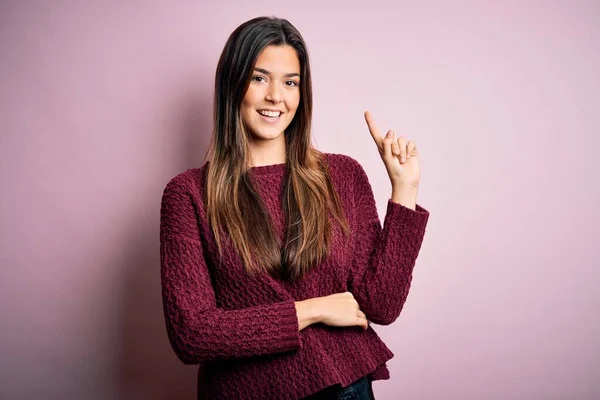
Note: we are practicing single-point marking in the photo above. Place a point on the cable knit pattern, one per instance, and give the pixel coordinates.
(242, 331)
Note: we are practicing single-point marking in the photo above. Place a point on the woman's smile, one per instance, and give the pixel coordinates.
(270, 117)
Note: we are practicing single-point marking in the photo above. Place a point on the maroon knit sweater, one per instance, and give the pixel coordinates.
(242, 331)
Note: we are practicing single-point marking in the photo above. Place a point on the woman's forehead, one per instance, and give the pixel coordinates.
(278, 60)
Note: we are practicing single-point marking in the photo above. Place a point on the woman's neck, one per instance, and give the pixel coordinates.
(267, 152)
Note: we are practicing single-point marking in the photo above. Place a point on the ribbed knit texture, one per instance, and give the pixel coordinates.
(243, 331)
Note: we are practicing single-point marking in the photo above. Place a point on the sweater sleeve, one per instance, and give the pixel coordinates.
(197, 329)
(383, 257)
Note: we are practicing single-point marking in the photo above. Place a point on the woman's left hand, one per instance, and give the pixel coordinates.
(399, 156)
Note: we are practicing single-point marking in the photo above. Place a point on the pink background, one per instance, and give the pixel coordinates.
(101, 103)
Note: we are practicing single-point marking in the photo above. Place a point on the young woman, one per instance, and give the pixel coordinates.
(273, 258)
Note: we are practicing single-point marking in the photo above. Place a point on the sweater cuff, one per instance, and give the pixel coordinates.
(286, 318)
(413, 220)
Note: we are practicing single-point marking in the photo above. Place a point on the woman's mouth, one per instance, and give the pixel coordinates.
(269, 117)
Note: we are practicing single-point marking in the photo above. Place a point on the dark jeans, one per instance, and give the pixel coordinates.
(360, 389)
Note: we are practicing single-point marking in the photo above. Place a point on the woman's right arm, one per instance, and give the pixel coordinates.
(197, 329)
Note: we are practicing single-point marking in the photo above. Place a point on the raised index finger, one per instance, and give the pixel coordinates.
(372, 127)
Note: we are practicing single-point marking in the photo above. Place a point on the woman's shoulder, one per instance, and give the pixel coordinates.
(338, 159)
(342, 164)
(189, 181)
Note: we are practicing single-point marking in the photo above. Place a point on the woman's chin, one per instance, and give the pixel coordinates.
(267, 134)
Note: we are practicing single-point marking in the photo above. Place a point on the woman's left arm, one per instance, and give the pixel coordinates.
(385, 257)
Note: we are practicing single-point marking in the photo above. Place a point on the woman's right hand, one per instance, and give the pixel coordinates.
(341, 309)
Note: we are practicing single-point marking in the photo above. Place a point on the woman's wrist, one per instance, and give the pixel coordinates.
(405, 195)
(308, 312)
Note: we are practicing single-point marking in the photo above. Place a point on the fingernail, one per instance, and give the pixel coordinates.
(389, 134)
(403, 159)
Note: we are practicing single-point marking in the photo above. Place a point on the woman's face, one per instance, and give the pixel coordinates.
(273, 95)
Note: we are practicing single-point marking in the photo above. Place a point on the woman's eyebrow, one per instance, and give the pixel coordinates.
(264, 71)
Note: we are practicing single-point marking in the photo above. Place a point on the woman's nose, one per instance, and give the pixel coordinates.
(274, 94)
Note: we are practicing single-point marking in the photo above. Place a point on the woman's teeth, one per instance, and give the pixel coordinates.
(270, 114)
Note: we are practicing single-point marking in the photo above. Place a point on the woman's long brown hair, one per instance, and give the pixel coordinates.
(232, 203)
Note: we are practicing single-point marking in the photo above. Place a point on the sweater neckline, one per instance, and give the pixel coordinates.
(268, 169)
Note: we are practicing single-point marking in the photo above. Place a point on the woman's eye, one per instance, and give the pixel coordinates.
(292, 83)
(258, 78)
